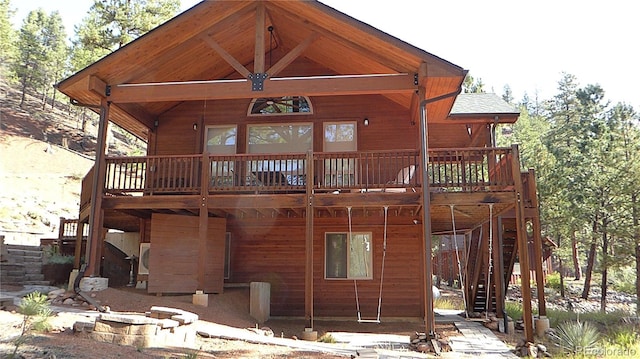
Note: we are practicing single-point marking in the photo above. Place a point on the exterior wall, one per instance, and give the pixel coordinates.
(389, 125)
(175, 252)
(273, 250)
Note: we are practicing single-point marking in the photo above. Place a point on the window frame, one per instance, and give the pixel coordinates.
(250, 112)
(348, 245)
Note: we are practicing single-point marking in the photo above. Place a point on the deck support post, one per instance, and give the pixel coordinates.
(429, 318)
(537, 243)
(96, 216)
(78, 250)
(523, 247)
(498, 266)
(203, 222)
(308, 268)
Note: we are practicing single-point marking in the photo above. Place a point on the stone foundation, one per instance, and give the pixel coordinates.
(161, 327)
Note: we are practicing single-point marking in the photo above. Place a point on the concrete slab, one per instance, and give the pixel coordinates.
(476, 340)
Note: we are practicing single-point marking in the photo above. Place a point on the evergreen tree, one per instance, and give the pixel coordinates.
(7, 34)
(57, 54)
(28, 66)
(111, 24)
(471, 85)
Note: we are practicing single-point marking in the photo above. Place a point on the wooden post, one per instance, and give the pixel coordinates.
(308, 268)
(537, 243)
(498, 266)
(96, 216)
(429, 317)
(203, 223)
(523, 248)
(78, 249)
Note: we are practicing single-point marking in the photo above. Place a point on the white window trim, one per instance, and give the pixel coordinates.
(370, 277)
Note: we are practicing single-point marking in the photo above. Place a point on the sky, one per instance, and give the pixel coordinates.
(525, 44)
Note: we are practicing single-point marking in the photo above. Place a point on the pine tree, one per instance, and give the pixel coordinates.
(7, 34)
(111, 24)
(28, 66)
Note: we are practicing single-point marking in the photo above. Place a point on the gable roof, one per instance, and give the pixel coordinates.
(192, 46)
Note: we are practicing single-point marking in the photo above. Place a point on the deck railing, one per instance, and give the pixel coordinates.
(455, 170)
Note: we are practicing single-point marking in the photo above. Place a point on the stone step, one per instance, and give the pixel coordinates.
(36, 282)
(13, 273)
(36, 277)
(33, 269)
(23, 247)
(12, 279)
(24, 253)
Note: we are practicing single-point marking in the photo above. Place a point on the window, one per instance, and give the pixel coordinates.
(280, 138)
(348, 258)
(340, 137)
(221, 140)
(280, 106)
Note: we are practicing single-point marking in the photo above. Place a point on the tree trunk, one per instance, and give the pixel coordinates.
(636, 235)
(591, 258)
(24, 91)
(561, 271)
(604, 265)
(577, 270)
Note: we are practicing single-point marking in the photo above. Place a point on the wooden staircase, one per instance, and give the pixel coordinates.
(478, 287)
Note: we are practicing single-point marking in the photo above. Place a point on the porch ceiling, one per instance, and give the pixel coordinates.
(187, 48)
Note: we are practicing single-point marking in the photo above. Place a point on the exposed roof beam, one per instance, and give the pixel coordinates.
(292, 55)
(227, 56)
(258, 62)
(275, 87)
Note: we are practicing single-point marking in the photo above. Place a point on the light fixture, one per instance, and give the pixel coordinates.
(195, 126)
(366, 122)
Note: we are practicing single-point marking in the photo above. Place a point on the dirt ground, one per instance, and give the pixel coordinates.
(230, 308)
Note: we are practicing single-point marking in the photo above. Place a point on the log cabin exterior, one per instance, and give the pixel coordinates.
(323, 152)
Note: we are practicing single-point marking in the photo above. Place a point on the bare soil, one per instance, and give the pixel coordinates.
(230, 308)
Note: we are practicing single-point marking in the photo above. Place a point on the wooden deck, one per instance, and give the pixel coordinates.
(244, 186)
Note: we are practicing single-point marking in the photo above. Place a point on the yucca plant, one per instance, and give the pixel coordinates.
(576, 337)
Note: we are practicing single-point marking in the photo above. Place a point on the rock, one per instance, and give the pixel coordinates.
(55, 293)
(68, 301)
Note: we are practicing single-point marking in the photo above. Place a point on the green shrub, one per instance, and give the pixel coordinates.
(60, 259)
(553, 281)
(623, 336)
(624, 280)
(514, 310)
(577, 338)
(448, 303)
(327, 338)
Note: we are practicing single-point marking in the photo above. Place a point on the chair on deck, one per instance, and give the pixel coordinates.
(403, 178)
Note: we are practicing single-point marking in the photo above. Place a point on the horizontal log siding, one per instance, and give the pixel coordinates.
(273, 250)
(389, 125)
(174, 253)
(402, 276)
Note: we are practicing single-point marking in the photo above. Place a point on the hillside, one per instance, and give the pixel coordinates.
(43, 157)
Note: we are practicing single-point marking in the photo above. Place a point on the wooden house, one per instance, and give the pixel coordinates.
(290, 143)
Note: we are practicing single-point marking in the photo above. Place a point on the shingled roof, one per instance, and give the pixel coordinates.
(481, 104)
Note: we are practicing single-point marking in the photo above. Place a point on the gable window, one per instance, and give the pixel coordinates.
(280, 106)
(348, 258)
